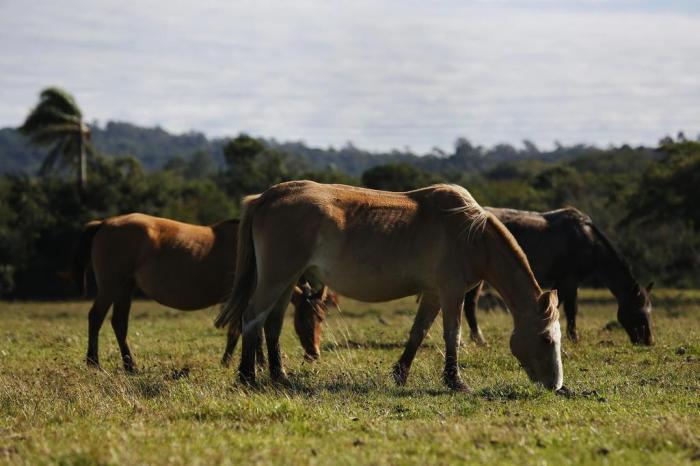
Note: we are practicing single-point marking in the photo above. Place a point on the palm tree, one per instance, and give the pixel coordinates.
(58, 122)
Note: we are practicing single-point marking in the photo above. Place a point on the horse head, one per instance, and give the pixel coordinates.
(634, 313)
(311, 307)
(536, 342)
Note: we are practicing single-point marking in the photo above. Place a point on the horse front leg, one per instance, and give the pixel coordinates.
(471, 300)
(427, 311)
(451, 303)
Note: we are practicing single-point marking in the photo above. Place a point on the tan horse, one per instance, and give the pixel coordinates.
(179, 265)
(377, 246)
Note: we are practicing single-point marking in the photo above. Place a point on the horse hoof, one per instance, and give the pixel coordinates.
(311, 357)
(281, 380)
(454, 381)
(129, 365)
(479, 340)
(573, 336)
(247, 379)
(92, 362)
(226, 362)
(400, 374)
(456, 385)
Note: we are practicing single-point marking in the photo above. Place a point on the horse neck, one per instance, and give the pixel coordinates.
(614, 272)
(505, 267)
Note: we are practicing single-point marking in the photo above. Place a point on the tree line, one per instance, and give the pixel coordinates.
(646, 199)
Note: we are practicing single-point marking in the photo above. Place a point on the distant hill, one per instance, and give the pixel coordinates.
(154, 147)
(15, 155)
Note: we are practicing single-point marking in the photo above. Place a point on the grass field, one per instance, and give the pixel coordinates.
(627, 404)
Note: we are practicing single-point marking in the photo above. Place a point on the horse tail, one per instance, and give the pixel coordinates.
(245, 278)
(83, 254)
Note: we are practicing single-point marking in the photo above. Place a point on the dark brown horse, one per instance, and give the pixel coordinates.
(565, 247)
(183, 266)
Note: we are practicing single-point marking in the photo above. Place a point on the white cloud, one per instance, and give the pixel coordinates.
(384, 74)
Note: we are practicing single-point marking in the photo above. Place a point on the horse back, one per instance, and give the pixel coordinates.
(357, 239)
(557, 243)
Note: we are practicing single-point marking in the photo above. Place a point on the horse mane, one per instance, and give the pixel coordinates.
(621, 261)
(508, 237)
(550, 313)
(476, 216)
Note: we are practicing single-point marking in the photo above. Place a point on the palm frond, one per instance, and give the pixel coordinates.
(52, 156)
(42, 117)
(60, 99)
(50, 134)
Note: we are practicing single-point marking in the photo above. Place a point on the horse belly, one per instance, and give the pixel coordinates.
(369, 280)
(184, 288)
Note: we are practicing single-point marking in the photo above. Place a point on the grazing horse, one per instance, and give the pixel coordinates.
(183, 266)
(377, 246)
(564, 247)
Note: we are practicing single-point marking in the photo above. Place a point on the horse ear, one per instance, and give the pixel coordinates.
(321, 294)
(650, 286)
(548, 297)
(296, 296)
(331, 299)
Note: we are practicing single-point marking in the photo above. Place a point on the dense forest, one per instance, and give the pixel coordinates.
(646, 199)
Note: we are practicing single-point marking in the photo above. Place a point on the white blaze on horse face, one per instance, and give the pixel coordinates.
(540, 355)
(547, 358)
(557, 366)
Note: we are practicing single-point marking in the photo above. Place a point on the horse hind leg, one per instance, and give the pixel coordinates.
(233, 335)
(273, 328)
(120, 325)
(96, 318)
(265, 303)
(471, 300)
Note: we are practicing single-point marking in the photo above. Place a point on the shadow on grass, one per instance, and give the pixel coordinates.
(78, 459)
(353, 344)
(308, 387)
(510, 392)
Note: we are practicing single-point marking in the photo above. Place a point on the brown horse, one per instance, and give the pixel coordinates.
(565, 247)
(377, 246)
(183, 266)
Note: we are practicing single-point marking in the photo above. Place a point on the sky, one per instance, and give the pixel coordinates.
(381, 73)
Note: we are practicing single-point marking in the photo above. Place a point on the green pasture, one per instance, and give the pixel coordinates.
(633, 405)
